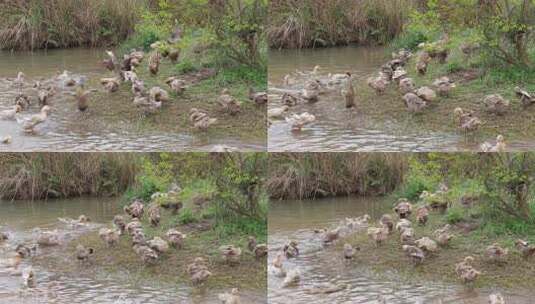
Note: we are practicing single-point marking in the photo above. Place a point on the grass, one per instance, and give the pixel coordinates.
(171, 269)
(515, 273)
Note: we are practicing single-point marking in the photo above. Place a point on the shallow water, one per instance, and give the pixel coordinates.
(115, 126)
(319, 266)
(20, 218)
(337, 129)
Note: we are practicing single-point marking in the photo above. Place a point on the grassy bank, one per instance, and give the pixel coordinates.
(32, 176)
(301, 175)
(303, 24)
(29, 25)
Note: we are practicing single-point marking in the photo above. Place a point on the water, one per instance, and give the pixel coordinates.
(319, 266)
(337, 129)
(110, 124)
(20, 218)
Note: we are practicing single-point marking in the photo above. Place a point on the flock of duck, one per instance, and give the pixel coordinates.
(416, 248)
(150, 251)
(149, 100)
(393, 72)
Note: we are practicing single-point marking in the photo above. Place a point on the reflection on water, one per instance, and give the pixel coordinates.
(19, 219)
(337, 129)
(319, 266)
(113, 124)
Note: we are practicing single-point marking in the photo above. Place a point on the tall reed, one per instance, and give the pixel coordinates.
(318, 23)
(309, 175)
(44, 175)
(34, 24)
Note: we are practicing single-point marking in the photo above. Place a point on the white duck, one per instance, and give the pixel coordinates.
(298, 121)
(499, 147)
(277, 112)
(30, 122)
(11, 113)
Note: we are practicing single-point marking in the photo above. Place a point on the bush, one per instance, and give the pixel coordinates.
(455, 215)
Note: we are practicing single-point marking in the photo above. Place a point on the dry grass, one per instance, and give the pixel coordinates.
(305, 23)
(28, 25)
(309, 175)
(44, 175)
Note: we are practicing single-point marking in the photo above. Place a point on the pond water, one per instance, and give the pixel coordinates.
(20, 218)
(319, 266)
(111, 123)
(336, 128)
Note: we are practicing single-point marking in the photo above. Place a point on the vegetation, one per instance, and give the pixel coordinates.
(309, 23)
(311, 175)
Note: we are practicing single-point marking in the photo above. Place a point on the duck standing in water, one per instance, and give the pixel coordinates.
(110, 63)
(29, 123)
(349, 251)
(298, 121)
(349, 92)
(82, 253)
(10, 114)
(28, 278)
(119, 223)
(230, 298)
(109, 236)
(82, 97)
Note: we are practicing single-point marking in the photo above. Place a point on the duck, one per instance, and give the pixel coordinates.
(251, 243)
(399, 74)
(525, 98)
(414, 103)
(500, 146)
(349, 92)
(293, 277)
(495, 253)
(154, 215)
(276, 267)
(200, 119)
(129, 76)
(289, 99)
(402, 224)
(277, 112)
(138, 87)
(148, 255)
(25, 251)
(28, 278)
(154, 63)
(315, 71)
(138, 238)
(83, 253)
(230, 298)
(426, 93)
(230, 254)
(311, 91)
(403, 208)
(82, 97)
(387, 72)
(444, 238)
(198, 271)
(496, 104)
(379, 234)
(427, 244)
(11, 113)
(111, 62)
(496, 298)
(109, 236)
(198, 264)
(48, 238)
(444, 85)
(119, 223)
(19, 80)
(110, 84)
(415, 254)
(406, 235)
(3, 237)
(349, 251)
(525, 248)
(466, 120)
(66, 79)
(287, 80)
(388, 221)
(298, 121)
(378, 84)
(148, 105)
(175, 238)
(259, 98)
(176, 84)
(174, 53)
(200, 277)
(12, 262)
(464, 265)
(135, 209)
(23, 101)
(331, 236)
(291, 250)
(6, 140)
(260, 251)
(421, 67)
(158, 244)
(134, 225)
(228, 103)
(158, 94)
(422, 215)
(406, 85)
